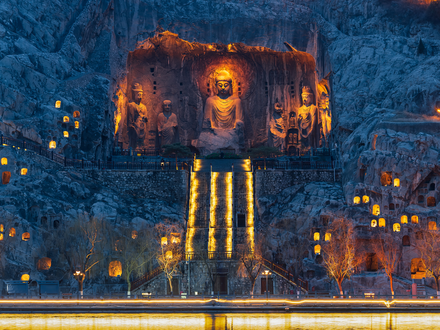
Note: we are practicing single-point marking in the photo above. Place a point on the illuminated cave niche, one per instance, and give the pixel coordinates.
(365, 199)
(44, 263)
(76, 124)
(414, 219)
(432, 225)
(357, 200)
(12, 232)
(318, 249)
(381, 222)
(316, 236)
(4, 161)
(23, 171)
(376, 209)
(58, 104)
(328, 236)
(403, 219)
(26, 236)
(373, 223)
(66, 134)
(115, 268)
(6, 177)
(396, 227)
(76, 114)
(52, 145)
(25, 277)
(396, 182)
(66, 119)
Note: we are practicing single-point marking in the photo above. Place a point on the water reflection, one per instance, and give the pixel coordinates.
(219, 321)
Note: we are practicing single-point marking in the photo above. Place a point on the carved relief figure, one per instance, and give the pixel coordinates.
(167, 124)
(223, 110)
(137, 119)
(307, 118)
(277, 130)
(324, 109)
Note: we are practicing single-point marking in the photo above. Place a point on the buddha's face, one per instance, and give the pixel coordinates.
(278, 108)
(307, 99)
(166, 106)
(223, 87)
(138, 96)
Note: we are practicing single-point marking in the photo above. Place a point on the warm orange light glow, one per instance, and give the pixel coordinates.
(26, 236)
(115, 268)
(175, 238)
(4, 161)
(12, 232)
(163, 241)
(316, 236)
(169, 255)
(381, 222)
(373, 223)
(66, 119)
(212, 221)
(403, 219)
(134, 234)
(328, 236)
(44, 263)
(1, 237)
(52, 145)
(357, 200)
(396, 227)
(76, 114)
(365, 199)
(432, 225)
(58, 104)
(192, 211)
(396, 182)
(77, 124)
(229, 221)
(66, 134)
(2, 228)
(23, 171)
(250, 207)
(25, 277)
(414, 219)
(376, 209)
(318, 249)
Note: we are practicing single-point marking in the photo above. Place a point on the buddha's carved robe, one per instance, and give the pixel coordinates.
(306, 123)
(223, 113)
(137, 124)
(167, 127)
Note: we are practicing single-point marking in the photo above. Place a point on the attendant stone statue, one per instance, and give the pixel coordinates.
(137, 119)
(167, 124)
(307, 119)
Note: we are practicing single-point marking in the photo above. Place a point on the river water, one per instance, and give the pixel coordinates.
(194, 321)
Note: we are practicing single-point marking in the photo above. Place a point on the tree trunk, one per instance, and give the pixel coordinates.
(253, 281)
(171, 284)
(339, 281)
(128, 288)
(81, 291)
(391, 286)
(437, 284)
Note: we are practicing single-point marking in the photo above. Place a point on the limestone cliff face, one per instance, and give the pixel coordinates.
(385, 63)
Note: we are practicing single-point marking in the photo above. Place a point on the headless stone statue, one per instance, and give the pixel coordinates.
(167, 124)
(277, 127)
(137, 119)
(307, 119)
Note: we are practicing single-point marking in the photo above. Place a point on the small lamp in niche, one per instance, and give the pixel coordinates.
(328, 236)
(316, 236)
(66, 134)
(76, 124)
(357, 200)
(169, 255)
(58, 104)
(66, 119)
(4, 161)
(373, 223)
(23, 171)
(52, 145)
(25, 277)
(317, 249)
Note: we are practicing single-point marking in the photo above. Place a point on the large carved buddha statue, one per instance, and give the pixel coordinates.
(223, 110)
(307, 119)
(137, 119)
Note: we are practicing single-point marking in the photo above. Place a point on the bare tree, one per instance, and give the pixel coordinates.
(83, 244)
(429, 248)
(341, 257)
(251, 263)
(388, 252)
(135, 249)
(170, 252)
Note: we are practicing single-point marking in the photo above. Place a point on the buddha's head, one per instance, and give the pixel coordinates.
(137, 92)
(307, 96)
(223, 84)
(167, 106)
(278, 107)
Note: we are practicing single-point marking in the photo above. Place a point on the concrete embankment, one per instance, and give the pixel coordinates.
(218, 305)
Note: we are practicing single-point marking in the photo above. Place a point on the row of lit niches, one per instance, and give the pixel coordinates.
(6, 175)
(42, 264)
(12, 233)
(66, 119)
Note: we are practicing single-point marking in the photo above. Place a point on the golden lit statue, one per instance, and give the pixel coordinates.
(166, 124)
(137, 119)
(324, 109)
(307, 118)
(223, 110)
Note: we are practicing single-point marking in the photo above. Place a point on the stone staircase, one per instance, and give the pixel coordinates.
(222, 165)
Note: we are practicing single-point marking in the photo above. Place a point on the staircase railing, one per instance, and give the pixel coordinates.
(304, 285)
(146, 278)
